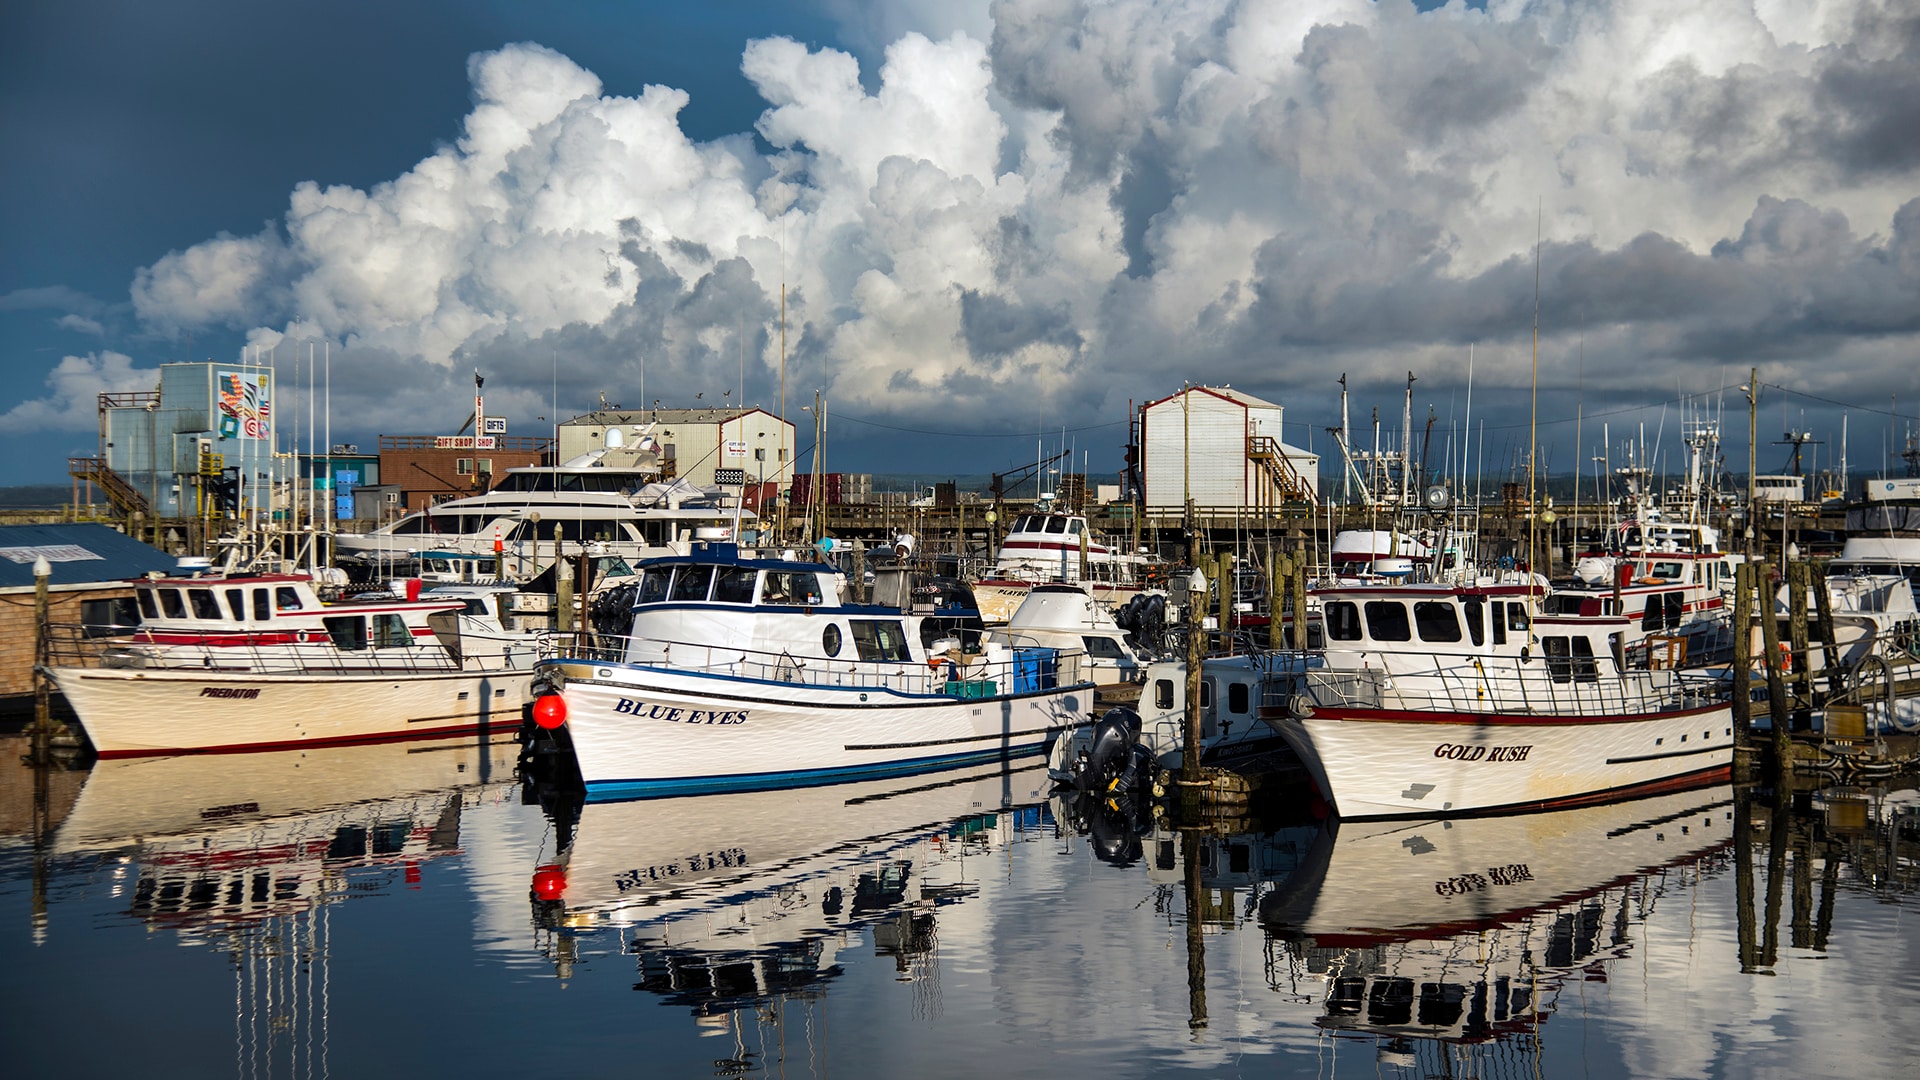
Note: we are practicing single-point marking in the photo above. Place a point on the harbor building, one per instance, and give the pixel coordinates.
(429, 469)
(1222, 448)
(88, 582)
(692, 443)
(203, 436)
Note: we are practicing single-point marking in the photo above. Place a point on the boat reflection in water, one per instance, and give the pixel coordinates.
(1465, 930)
(245, 853)
(729, 900)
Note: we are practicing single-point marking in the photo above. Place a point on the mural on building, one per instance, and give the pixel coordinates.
(246, 405)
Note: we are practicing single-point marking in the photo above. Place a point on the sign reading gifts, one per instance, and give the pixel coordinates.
(246, 405)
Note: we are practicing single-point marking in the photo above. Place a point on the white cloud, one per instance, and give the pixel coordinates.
(74, 386)
(1106, 198)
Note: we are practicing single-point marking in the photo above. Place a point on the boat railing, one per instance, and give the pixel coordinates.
(74, 645)
(1539, 686)
(964, 675)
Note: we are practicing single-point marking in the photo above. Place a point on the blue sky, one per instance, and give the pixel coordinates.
(992, 221)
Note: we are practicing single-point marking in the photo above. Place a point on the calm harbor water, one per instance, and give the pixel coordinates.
(414, 909)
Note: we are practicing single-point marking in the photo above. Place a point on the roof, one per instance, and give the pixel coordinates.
(1226, 393)
(78, 554)
(712, 415)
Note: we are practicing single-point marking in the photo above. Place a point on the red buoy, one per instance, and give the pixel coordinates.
(549, 882)
(550, 711)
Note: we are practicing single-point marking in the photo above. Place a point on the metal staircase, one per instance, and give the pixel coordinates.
(125, 497)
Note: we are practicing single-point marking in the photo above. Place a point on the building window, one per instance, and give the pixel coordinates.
(486, 465)
(463, 466)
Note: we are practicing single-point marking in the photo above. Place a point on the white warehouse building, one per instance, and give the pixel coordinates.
(694, 442)
(1222, 447)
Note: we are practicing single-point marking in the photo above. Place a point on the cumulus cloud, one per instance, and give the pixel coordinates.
(1059, 204)
(74, 386)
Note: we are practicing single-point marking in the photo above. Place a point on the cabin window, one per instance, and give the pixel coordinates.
(204, 605)
(1559, 659)
(1726, 570)
(1343, 621)
(1206, 693)
(147, 607)
(1663, 610)
(1584, 669)
(691, 583)
(349, 632)
(879, 640)
(390, 631)
(1517, 618)
(1056, 525)
(653, 587)
(1668, 571)
(830, 640)
(1476, 620)
(411, 525)
(104, 618)
(1499, 622)
(1436, 620)
(790, 587)
(1237, 697)
(1316, 637)
(286, 599)
(262, 610)
(733, 585)
(1163, 693)
(1103, 648)
(1074, 526)
(1387, 621)
(237, 603)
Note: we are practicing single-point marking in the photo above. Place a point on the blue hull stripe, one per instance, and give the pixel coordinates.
(612, 790)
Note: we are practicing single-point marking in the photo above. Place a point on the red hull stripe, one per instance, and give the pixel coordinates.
(1401, 716)
(508, 720)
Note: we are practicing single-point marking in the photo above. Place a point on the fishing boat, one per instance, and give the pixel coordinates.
(1438, 699)
(253, 662)
(1670, 580)
(1046, 546)
(1067, 617)
(741, 673)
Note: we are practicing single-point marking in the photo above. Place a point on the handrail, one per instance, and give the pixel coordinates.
(954, 675)
(1496, 686)
(73, 645)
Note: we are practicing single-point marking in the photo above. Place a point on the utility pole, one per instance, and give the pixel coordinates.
(1753, 416)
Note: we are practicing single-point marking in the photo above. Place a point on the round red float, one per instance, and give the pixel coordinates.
(549, 882)
(549, 711)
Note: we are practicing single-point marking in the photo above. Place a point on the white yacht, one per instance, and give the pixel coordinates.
(613, 497)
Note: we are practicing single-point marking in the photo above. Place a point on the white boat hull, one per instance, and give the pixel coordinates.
(644, 732)
(998, 599)
(128, 712)
(1397, 763)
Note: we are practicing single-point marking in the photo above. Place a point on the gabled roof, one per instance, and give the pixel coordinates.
(1225, 393)
(77, 554)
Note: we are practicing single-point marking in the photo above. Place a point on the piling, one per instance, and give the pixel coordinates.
(1798, 582)
(1829, 654)
(1196, 651)
(1742, 658)
(1299, 640)
(1776, 686)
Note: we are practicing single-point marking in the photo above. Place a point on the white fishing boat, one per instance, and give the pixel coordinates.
(1670, 580)
(222, 663)
(1064, 616)
(1438, 699)
(744, 673)
(1049, 546)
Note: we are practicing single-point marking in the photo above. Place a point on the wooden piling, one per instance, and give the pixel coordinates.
(1776, 686)
(1829, 654)
(1742, 657)
(1300, 601)
(1196, 651)
(1797, 584)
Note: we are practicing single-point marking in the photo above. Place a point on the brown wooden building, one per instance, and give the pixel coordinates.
(431, 469)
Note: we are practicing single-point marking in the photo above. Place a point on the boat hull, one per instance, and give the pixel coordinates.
(1372, 762)
(126, 713)
(998, 598)
(645, 732)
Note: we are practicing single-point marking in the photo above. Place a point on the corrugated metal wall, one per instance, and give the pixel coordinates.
(1213, 430)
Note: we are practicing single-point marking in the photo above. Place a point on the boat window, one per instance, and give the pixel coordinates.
(1237, 697)
(1163, 693)
(349, 632)
(653, 587)
(830, 640)
(1476, 620)
(1103, 648)
(1654, 615)
(1668, 571)
(204, 605)
(1436, 620)
(1517, 617)
(790, 587)
(733, 585)
(1023, 523)
(286, 599)
(390, 631)
(1387, 621)
(1343, 621)
(237, 603)
(1584, 669)
(1499, 622)
(690, 583)
(1206, 693)
(1056, 525)
(411, 525)
(104, 618)
(261, 609)
(1559, 659)
(1074, 527)
(877, 639)
(1726, 571)
(147, 607)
